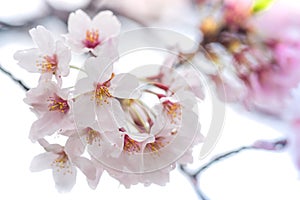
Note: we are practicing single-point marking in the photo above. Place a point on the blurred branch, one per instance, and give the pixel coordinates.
(91, 8)
(194, 177)
(12, 77)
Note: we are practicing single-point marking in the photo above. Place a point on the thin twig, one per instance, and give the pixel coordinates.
(18, 81)
(262, 145)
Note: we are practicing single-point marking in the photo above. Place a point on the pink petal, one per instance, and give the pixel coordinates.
(86, 166)
(48, 124)
(74, 147)
(125, 86)
(99, 170)
(83, 86)
(84, 111)
(64, 182)
(99, 69)
(42, 161)
(78, 23)
(27, 59)
(54, 148)
(107, 23)
(64, 57)
(43, 39)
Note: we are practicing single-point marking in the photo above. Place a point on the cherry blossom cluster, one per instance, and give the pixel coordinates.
(257, 64)
(255, 46)
(105, 120)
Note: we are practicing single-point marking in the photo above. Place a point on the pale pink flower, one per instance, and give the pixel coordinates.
(96, 95)
(63, 165)
(51, 57)
(174, 79)
(86, 34)
(149, 157)
(51, 105)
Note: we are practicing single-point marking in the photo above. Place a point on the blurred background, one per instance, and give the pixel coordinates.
(249, 175)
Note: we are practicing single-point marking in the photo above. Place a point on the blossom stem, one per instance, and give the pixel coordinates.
(194, 177)
(12, 77)
(74, 67)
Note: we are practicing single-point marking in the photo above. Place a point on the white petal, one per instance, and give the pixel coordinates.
(107, 24)
(108, 50)
(86, 166)
(54, 148)
(84, 111)
(111, 115)
(27, 59)
(43, 39)
(64, 182)
(99, 69)
(64, 57)
(99, 170)
(125, 86)
(83, 86)
(141, 137)
(78, 23)
(74, 147)
(42, 161)
(48, 124)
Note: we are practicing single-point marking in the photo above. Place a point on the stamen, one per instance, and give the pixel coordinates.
(173, 110)
(47, 64)
(102, 93)
(130, 145)
(156, 145)
(58, 104)
(92, 136)
(62, 164)
(91, 39)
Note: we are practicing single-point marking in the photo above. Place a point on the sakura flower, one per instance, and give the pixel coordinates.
(63, 166)
(96, 96)
(149, 158)
(51, 57)
(172, 79)
(86, 34)
(108, 144)
(50, 104)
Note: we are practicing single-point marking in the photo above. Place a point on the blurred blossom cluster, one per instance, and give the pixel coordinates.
(255, 45)
(106, 114)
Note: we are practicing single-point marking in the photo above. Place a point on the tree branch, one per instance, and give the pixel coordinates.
(12, 77)
(194, 177)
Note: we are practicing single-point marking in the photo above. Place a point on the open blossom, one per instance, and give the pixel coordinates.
(63, 165)
(51, 105)
(51, 57)
(97, 95)
(86, 34)
(185, 77)
(149, 157)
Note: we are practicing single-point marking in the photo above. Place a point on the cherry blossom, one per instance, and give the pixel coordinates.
(98, 93)
(51, 57)
(63, 166)
(86, 34)
(51, 105)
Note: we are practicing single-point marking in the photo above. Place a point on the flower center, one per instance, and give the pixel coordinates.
(156, 145)
(58, 104)
(62, 164)
(173, 110)
(48, 64)
(91, 39)
(92, 136)
(102, 93)
(130, 145)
